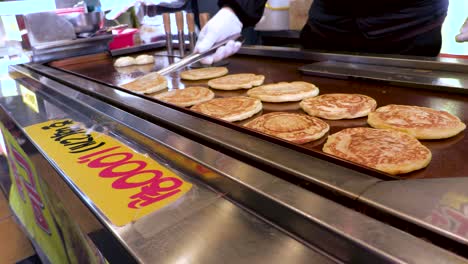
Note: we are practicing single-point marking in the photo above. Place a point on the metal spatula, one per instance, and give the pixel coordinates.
(194, 57)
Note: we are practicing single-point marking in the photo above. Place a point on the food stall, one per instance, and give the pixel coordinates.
(113, 175)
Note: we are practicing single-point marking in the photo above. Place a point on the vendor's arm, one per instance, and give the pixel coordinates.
(233, 15)
(463, 36)
(249, 12)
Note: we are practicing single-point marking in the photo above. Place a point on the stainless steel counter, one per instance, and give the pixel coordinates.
(203, 227)
(244, 213)
(327, 175)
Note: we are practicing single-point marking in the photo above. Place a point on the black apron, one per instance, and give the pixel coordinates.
(407, 27)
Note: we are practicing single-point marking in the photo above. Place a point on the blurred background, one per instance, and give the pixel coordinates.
(280, 24)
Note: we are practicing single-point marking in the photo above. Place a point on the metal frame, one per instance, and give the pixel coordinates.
(443, 74)
(343, 233)
(414, 62)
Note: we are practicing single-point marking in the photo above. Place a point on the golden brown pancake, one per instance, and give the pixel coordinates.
(421, 122)
(149, 83)
(145, 68)
(186, 97)
(339, 106)
(144, 59)
(203, 73)
(230, 109)
(284, 92)
(386, 150)
(297, 128)
(237, 81)
(127, 70)
(124, 62)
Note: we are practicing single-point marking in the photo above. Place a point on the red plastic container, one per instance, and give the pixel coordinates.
(123, 38)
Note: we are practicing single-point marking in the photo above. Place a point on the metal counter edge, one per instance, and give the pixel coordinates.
(391, 244)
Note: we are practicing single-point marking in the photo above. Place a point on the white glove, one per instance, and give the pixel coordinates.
(223, 25)
(463, 36)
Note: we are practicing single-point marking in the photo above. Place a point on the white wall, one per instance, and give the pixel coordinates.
(25, 7)
(457, 13)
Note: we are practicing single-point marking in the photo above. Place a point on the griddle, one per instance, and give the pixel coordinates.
(448, 154)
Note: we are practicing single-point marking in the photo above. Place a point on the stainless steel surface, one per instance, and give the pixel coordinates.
(70, 48)
(195, 57)
(422, 63)
(46, 27)
(182, 230)
(319, 172)
(65, 43)
(104, 30)
(138, 48)
(438, 204)
(218, 232)
(428, 79)
(86, 22)
(204, 227)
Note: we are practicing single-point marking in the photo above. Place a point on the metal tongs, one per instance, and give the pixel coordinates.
(194, 57)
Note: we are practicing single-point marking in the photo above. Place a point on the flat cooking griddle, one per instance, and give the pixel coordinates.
(448, 156)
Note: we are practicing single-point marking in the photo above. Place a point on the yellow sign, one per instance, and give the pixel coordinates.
(27, 200)
(29, 98)
(124, 184)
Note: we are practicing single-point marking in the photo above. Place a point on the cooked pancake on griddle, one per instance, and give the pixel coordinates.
(421, 122)
(386, 150)
(297, 128)
(124, 62)
(230, 109)
(149, 83)
(186, 97)
(284, 92)
(339, 106)
(127, 70)
(203, 73)
(236, 81)
(144, 59)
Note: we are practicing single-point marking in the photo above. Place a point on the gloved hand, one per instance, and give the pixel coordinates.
(463, 36)
(223, 25)
(118, 7)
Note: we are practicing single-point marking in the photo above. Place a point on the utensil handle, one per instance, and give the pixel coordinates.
(191, 29)
(180, 32)
(167, 23)
(204, 17)
(167, 29)
(190, 22)
(179, 21)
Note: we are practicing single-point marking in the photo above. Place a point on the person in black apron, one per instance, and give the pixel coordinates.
(407, 27)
